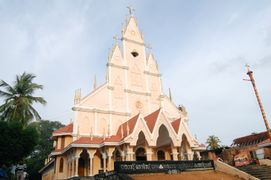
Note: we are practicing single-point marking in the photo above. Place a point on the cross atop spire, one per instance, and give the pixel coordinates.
(248, 67)
(131, 10)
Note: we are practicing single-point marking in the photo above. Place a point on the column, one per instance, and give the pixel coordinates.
(91, 153)
(109, 165)
(149, 153)
(122, 153)
(110, 151)
(104, 161)
(174, 153)
(90, 165)
(72, 167)
(76, 165)
(68, 168)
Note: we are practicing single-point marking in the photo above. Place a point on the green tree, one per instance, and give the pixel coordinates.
(43, 148)
(16, 141)
(18, 99)
(213, 142)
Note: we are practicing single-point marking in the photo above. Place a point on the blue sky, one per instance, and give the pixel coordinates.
(201, 48)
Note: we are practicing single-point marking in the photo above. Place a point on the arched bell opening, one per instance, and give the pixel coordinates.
(83, 163)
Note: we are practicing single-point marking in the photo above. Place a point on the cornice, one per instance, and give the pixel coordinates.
(137, 92)
(117, 66)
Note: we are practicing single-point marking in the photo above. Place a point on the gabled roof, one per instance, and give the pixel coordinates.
(176, 124)
(252, 139)
(66, 129)
(151, 119)
(128, 124)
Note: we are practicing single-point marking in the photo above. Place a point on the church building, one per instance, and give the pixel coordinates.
(127, 118)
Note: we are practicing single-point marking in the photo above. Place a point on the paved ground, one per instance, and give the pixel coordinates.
(195, 175)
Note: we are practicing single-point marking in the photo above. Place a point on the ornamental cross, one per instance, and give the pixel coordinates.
(131, 10)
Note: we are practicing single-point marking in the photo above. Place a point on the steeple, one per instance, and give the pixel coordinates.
(131, 31)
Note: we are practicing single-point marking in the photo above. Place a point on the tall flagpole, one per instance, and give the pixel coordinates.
(252, 80)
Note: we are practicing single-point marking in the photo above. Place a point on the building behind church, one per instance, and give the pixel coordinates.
(128, 118)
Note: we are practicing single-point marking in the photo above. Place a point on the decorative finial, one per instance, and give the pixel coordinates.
(91, 133)
(94, 83)
(108, 130)
(131, 10)
(169, 94)
(104, 134)
(121, 130)
(77, 96)
(116, 38)
(78, 133)
(248, 67)
(128, 129)
(148, 46)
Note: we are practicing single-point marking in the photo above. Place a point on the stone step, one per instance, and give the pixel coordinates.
(261, 172)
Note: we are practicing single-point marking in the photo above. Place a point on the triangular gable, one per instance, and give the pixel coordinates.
(131, 31)
(163, 120)
(152, 65)
(176, 125)
(127, 126)
(116, 55)
(151, 119)
(185, 131)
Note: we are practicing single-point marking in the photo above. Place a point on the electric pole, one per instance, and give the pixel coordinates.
(252, 80)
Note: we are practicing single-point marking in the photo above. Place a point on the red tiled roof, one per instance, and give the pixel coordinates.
(88, 140)
(97, 140)
(66, 129)
(265, 141)
(130, 123)
(115, 138)
(176, 124)
(151, 119)
(251, 139)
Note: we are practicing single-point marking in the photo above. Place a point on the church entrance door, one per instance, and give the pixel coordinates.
(141, 154)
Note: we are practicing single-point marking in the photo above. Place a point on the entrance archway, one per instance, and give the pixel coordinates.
(161, 155)
(83, 163)
(184, 148)
(117, 155)
(141, 154)
(164, 144)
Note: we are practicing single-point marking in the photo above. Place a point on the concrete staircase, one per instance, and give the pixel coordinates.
(259, 171)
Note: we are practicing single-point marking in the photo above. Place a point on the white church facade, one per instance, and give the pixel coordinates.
(128, 118)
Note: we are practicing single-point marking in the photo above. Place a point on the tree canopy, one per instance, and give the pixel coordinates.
(213, 142)
(18, 99)
(16, 142)
(44, 147)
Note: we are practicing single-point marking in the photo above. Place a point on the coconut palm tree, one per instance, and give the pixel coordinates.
(18, 99)
(213, 142)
